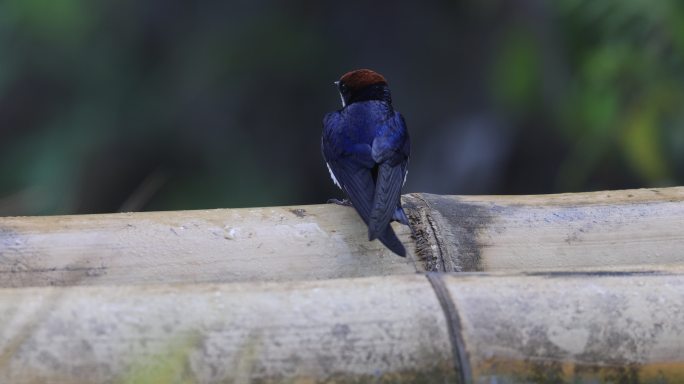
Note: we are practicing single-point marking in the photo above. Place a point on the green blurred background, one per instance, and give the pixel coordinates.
(158, 105)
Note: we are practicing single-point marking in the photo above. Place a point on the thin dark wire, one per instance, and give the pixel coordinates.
(461, 362)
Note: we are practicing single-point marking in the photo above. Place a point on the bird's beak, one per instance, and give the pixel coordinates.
(337, 83)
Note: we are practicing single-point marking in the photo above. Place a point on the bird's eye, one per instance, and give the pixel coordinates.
(343, 88)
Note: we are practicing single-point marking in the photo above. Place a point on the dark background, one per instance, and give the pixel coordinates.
(167, 104)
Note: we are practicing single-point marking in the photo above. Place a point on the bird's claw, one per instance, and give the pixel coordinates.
(344, 202)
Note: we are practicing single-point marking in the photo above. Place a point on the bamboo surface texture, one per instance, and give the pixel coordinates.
(619, 328)
(570, 288)
(572, 231)
(632, 229)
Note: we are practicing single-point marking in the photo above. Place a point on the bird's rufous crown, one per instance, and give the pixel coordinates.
(361, 78)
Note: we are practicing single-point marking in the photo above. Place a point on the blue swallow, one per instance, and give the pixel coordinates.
(366, 147)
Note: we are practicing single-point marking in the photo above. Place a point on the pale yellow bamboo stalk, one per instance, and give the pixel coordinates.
(579, 328)
(219, 245)
(607, 230)
(610, 230)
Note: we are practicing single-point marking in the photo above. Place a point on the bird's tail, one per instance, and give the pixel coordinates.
(386, 196)
(391, 241)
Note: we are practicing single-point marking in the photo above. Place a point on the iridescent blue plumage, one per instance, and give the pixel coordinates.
(366, 147)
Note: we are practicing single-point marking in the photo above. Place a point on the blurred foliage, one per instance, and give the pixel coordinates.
(154, 105)
(627, 88)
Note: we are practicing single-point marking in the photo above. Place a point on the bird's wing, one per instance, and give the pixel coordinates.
(406, 148)
(390, 151)
(350, 165)
(351, 168)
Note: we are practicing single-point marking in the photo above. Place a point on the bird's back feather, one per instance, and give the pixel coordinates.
(366, 148)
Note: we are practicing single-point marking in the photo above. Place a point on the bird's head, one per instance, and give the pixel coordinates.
(361, 84)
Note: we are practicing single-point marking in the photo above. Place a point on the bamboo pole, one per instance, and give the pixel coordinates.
(470, 328)
(572, 328)
(608, 230)
(218, 245)
(623, 230)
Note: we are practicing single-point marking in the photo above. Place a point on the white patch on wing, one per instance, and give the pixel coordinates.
(332, 175)
(405, 175)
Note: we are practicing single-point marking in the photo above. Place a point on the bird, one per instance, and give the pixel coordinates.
(366, 147)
